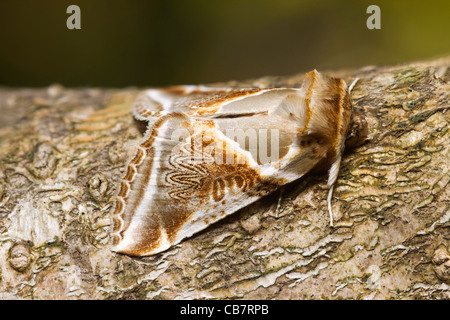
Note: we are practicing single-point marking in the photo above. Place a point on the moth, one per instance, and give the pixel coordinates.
(209, 152)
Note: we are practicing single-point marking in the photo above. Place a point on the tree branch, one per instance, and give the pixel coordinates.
(63, 152)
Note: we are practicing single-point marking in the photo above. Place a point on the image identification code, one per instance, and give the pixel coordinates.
(230, 309)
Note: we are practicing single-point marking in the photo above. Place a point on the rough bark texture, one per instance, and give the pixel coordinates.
(63, 152)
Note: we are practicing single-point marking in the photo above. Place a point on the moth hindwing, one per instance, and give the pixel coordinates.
(208, 152)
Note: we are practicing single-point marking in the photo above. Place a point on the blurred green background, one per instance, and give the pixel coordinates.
(162, 42)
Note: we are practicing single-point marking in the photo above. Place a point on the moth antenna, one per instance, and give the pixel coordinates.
(350, 88)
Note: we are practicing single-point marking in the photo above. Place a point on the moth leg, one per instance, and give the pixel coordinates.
(280, 196)
(330, 211)
(332, 177)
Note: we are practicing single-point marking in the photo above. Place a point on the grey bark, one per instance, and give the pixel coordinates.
(63, 152)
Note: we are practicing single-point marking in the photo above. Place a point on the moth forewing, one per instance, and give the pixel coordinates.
(208, 152)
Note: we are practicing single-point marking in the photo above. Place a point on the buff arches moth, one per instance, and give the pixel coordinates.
(209, 152)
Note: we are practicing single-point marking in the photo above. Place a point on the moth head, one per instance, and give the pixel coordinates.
(358, 130)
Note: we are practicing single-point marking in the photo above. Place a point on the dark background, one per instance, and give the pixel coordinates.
(161, 42)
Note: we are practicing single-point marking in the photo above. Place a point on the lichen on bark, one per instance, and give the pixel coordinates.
(63, 152)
